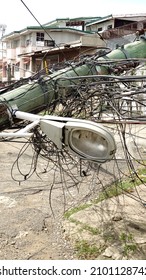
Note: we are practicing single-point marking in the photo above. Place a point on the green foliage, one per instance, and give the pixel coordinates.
(92, 230)
(75, 210)
(129, 246)
(126, 237)
(116, 189)
(86, 251)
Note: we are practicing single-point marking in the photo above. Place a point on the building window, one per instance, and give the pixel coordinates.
(4, 70)
(27, 42)
(17, 65)
(27, 66)
(99, 29)
(109, 27)
(8, 45)
(15, 44)
(49, 43)
(40, 36)
(12, 70)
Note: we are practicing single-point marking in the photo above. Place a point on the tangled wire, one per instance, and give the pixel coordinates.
(119, 103)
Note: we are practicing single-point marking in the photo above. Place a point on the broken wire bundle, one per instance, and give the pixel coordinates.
(116, 101)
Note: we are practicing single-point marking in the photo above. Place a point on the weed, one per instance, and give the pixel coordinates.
(92, 230)
(116, 189)
(126, 237)
(86, 251)
(128, 243)
(129, 248)
(75, 210)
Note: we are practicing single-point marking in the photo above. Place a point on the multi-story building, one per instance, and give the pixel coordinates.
(37, 47)
(118, 29)
(2, 48)
(31, 49)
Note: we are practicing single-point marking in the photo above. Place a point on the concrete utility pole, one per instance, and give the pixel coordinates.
(35, 96)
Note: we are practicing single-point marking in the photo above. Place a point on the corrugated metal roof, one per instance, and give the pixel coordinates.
(120, 16)
(60, 20)
(47, 28)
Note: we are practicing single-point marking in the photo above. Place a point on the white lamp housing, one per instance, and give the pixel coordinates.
(87, 140)
(54, 130)
(90, 141)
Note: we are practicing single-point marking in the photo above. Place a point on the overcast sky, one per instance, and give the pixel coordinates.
(15, 15)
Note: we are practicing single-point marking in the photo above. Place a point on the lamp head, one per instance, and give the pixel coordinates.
(88, 141)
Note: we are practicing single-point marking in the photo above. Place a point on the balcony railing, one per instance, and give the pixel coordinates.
(123, 30)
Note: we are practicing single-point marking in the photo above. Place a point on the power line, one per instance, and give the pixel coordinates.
(39, 23)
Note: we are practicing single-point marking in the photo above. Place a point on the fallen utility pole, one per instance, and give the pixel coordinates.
(37, 95)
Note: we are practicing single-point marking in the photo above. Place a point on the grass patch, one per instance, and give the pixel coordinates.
(92, 230)
(76, 209)
(142, 174)
(114, 189)
(117, 188)
(86, 251)
(129, 246)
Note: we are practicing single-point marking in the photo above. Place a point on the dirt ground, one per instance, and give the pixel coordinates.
(31, 228)
(28, 229)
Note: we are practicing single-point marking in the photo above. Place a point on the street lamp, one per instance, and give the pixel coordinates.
(87, 140)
